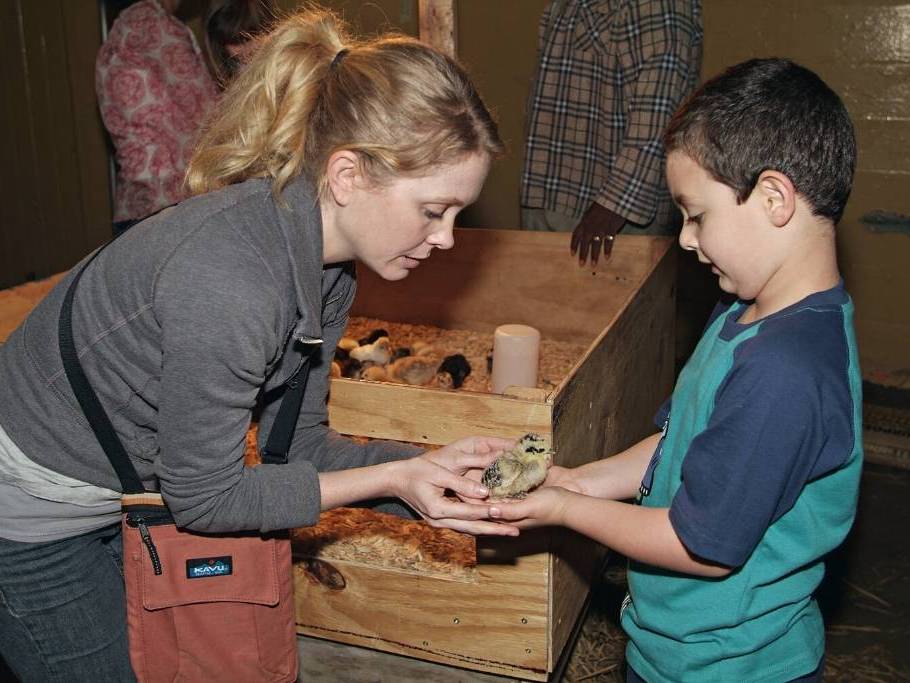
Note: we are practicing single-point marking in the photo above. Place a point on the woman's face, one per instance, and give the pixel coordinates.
(392, 228)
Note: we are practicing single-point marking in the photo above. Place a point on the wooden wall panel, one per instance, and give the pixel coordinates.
(55, 202)
(860, 48)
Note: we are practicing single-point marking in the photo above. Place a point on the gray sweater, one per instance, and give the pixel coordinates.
(182, 324)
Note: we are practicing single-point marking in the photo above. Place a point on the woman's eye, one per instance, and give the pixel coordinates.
(432, 215)
(696, 219)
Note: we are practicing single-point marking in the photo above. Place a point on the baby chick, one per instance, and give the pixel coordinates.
(418, 370)
(519, 469)
(372, 336)
(421, 348)
(379, 352)
(374, 373)
(347, 344)
(452, 371)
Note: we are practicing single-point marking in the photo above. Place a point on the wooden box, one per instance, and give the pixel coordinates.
(516, 610)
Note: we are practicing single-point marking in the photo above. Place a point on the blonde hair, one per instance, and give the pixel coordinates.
(401, 105)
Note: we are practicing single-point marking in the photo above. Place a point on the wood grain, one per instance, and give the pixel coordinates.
(438, 26)
(432, 416)
(498, 623)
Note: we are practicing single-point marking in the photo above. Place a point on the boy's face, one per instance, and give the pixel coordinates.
(729, 237)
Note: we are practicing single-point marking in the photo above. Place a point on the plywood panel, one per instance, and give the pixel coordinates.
(424, 415)
(497, 623)
(493, 277)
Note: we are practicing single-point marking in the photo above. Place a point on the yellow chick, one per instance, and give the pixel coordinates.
(520, 469)
(379, 352)
(374, 373)
(417, 370)
(347, 344)
(421, 348)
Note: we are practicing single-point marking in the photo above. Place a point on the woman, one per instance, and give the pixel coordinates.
(230, 27)
(323, 151)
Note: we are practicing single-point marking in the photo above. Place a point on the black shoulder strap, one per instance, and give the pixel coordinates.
(282, 431)
(88, 399)
(280, 436)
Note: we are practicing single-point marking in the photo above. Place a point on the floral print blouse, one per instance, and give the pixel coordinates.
(154, 91)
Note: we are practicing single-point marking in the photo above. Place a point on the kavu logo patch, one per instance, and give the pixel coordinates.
(202, 567)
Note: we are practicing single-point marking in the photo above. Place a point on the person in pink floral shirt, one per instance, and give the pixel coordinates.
(154, 92)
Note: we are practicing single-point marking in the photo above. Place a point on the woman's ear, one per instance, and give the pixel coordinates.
(342, 175)
(778, 197)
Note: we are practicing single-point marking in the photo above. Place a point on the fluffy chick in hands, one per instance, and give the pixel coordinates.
(520, 469)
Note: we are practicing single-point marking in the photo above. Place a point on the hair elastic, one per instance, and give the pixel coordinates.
(338, 57)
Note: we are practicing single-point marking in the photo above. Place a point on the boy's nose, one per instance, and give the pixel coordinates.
(687, 239)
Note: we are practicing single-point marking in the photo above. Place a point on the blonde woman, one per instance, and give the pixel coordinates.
(324, 151)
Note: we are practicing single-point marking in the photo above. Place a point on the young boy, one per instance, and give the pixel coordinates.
(755, 475)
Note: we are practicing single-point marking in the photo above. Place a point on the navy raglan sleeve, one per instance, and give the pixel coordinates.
(660, 418)
(782, 417)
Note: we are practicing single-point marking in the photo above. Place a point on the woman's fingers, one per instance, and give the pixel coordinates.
(462, 486)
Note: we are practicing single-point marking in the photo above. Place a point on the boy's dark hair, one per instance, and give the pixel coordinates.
(770, 114)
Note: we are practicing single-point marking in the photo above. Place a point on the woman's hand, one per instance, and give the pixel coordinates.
(422, 483)
(469, 456)
(545, 506)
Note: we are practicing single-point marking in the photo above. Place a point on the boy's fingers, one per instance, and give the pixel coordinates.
(447, 508)
(477, 528)
(509, 512)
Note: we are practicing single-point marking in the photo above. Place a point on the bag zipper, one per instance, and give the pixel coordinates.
(146, 536)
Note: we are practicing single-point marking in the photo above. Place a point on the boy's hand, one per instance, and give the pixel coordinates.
(544, 507)
(564, 477)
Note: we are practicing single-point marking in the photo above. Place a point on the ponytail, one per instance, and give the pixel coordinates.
(309, 90)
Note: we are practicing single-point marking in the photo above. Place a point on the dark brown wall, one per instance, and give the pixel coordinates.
(54, 200)
(54, 197)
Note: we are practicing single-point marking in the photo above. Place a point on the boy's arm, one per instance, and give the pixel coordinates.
(639, 533)
(616, 478)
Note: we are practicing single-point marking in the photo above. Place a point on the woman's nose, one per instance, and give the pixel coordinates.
(444, 238)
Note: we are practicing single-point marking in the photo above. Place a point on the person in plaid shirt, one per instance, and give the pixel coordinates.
(611, 73)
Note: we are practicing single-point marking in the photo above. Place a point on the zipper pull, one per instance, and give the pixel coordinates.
(150, 544)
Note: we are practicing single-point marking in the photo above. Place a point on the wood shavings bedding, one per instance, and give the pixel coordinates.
(556, 357)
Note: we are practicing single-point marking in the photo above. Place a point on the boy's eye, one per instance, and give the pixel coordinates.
(432, 215)
(696, 219)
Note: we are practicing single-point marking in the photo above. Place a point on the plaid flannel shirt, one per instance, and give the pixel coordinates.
(611, 74)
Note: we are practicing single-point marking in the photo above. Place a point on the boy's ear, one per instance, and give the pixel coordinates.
(778, 196)
(342, 175)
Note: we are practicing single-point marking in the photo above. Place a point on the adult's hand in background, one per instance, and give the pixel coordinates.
(595, 233)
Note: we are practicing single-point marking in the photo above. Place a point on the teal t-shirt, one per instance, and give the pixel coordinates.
(759, 464)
